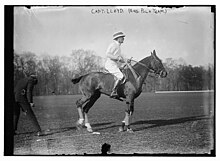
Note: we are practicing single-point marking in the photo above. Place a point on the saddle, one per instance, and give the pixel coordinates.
(124, 71)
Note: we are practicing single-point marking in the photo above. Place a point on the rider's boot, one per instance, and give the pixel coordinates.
(114, 91)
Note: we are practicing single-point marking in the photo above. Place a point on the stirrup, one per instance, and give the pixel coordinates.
(113, 94)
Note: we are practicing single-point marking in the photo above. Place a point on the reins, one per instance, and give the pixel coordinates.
(133, 71)
(143, 65)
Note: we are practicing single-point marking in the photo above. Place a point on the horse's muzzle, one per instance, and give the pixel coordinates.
(163, 73)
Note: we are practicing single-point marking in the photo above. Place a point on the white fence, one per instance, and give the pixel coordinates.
(183, 91)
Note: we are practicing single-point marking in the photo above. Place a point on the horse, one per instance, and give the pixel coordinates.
(94, 84)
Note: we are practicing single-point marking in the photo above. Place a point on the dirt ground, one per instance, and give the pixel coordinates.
(163, 123)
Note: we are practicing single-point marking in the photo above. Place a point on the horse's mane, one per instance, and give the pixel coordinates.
(144, 61)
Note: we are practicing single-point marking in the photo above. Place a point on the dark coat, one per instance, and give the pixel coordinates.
(24, 88)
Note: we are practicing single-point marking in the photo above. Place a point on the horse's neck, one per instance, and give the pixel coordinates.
(142, 70)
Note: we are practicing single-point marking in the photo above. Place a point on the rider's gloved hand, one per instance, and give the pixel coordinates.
(129, 61)
(120, 59)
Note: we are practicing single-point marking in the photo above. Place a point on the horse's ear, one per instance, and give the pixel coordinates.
(153, 53)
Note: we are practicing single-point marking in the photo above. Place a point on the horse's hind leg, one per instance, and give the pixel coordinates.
(86, 108)
(79, 104)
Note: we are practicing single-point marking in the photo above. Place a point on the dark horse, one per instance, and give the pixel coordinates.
(94, 84)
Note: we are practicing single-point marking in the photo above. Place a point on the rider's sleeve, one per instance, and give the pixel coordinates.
(112, 52)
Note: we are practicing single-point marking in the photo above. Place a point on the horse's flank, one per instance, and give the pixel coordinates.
(95, 81)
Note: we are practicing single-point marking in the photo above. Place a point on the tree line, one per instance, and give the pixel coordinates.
(55, 73)
(182, 77)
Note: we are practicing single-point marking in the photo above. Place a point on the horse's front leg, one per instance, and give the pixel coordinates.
(128, 114)
(87, 124)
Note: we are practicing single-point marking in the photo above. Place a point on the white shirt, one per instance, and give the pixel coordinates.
(113, 52)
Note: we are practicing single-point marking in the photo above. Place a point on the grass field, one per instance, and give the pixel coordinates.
(164, 123)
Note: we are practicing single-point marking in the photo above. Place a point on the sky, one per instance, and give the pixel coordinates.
(186, 32)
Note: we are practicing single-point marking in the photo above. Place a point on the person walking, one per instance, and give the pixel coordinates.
(23, 100)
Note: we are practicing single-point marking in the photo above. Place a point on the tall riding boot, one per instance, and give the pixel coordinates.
(114, 91)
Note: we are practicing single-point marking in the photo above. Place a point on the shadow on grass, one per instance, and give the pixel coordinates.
(62, 130)
(158, 123)
(152, 123)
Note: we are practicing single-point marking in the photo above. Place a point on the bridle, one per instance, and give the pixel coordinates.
(150, 70)
(142, 64)
(159, 68)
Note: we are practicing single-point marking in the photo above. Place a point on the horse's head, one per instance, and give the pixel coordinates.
(157, 65)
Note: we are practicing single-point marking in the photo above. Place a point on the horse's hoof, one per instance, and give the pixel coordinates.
(130, 130)
(121, 129)
(79, 126)
(89, 130)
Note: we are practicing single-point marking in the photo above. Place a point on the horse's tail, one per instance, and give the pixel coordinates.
(76, 80)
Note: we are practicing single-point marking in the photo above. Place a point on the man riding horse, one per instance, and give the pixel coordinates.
(93, 84)
(115, 60)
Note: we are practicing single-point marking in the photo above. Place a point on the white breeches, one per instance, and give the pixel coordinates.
(112, 67)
